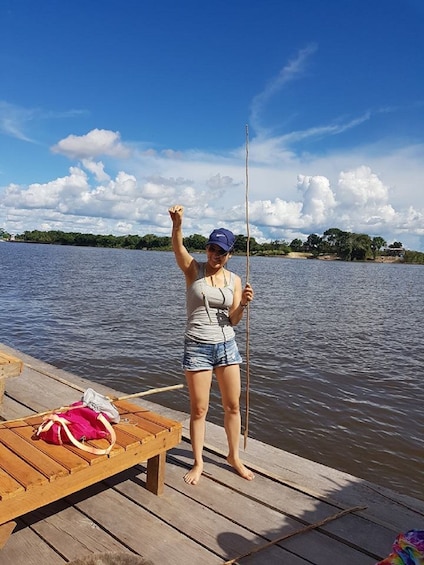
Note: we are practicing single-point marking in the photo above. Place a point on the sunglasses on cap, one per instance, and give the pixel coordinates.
(216, 250)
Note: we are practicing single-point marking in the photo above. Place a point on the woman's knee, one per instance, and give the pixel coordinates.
(198, 412)
(232, 408)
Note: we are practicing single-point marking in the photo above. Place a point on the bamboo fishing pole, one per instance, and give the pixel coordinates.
(247, 401)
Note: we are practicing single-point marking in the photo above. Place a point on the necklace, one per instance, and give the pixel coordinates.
(211, 276)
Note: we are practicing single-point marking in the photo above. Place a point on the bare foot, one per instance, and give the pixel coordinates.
(192, 477)
(243, 471)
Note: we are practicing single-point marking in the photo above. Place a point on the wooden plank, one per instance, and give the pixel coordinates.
(25, 546)
(128, 440)
(8, 486)
(10, 408)
(73, 534)
(144, 423)
(54, 394)
(5, 532)
(132, 430)
(129, 407)
(23, 473)
(31, 455)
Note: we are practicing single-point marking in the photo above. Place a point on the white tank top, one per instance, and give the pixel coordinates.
(207, 310)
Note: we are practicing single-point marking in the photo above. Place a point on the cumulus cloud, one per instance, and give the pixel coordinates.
(361, 187)
(90, 146)
(97, 168)
(212, 190)
(318, 199)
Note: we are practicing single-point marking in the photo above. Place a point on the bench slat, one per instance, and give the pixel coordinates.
(8, 486)
(25, 450)
(21, 471)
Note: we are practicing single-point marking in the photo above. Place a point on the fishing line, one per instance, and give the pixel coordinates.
(247, 401)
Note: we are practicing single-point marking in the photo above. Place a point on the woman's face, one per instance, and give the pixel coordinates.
(216, 255)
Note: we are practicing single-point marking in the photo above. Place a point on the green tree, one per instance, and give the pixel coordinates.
(376, 244)
(85, 240)
(296, 245)
(195, 242)
(240, 245)
(312, 244)
(361, 247)
(337, 241)
(414, 257)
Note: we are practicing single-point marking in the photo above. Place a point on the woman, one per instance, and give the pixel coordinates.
(215, 303)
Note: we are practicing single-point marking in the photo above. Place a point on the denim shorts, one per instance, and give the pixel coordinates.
(205, 356)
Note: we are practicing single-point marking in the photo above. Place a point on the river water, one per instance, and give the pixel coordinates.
(336, 350)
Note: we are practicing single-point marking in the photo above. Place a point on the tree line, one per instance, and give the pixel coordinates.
(335, 242)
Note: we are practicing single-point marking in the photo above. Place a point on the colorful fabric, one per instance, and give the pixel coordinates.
(408, 549)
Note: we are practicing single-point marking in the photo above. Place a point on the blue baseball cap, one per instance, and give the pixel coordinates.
(222, 237)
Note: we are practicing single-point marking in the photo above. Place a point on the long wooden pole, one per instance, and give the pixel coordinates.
(112, 399)
(296, 532)
(247, 401)
(147, 392)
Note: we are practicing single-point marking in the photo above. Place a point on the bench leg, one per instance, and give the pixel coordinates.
(156, 473)
(5, 532)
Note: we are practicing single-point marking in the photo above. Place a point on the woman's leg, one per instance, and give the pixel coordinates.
(229, 384)
(199, 384)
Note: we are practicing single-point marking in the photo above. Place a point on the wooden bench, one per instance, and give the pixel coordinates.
(9, 367)
(34, 473)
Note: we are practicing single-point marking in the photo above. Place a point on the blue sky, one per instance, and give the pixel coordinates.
(112, 111)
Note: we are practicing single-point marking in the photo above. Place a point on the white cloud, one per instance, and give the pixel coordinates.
(97, 168)
(95, 143)
(318, 199)
(361, 188)
(283, 202)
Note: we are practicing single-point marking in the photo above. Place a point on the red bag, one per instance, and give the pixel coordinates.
(76, 424)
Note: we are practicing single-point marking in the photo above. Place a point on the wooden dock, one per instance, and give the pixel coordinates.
(217, 521)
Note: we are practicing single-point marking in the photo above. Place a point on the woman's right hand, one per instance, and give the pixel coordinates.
(176, 212)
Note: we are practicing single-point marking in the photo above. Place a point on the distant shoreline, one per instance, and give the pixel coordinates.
(290, 255)
(303, 255)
